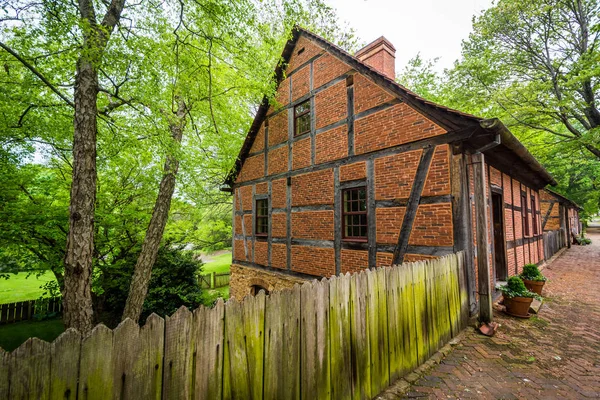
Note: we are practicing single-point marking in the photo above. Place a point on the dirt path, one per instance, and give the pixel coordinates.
(555, 355)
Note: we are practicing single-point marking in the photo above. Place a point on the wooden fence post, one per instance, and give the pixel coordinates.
(481, 216)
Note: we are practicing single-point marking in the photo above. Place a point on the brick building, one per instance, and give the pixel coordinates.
(346, 170)
(560, 214)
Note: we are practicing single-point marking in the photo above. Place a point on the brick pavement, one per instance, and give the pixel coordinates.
(554, 355)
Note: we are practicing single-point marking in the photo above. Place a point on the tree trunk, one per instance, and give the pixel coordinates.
(77, 297)
(77, 294)
(154, 233)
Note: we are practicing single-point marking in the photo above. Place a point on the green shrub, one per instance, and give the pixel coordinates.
(173, 284)
(516, 288)
(531, 272)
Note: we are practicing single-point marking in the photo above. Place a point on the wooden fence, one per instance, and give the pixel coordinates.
(553, 242)
(214, 280)
(25, 310)
(346, 337)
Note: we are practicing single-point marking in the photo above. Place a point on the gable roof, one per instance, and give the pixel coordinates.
(508, 152)
(563, 199)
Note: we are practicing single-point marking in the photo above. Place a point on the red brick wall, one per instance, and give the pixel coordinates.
(418, 257)
(433, 225)
(259, 141)
(300, 154)
(438, 177)
(317, 261)
(245, 193)
(313, 188)
(367, 94)
(310, 50)
(254, 168)
(278, 160)
(279, 255)
(391, 127)
(354, 260)
(389, 222)
(261, 252)
(300, 83)
(354, 171)
(282, 97)
(317, 225)
(237, 224)
(278, 129)
(238, 250)
(327, 68)
(262, 188)
(332, 144)
(384, 259)
(278, 193)
(331, 105)
(279, 225)
(394, 175)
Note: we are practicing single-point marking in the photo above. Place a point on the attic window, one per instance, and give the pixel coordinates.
(302, 118)
(301, 51)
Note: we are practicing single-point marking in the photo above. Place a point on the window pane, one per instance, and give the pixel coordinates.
(303, 124)
(362, 194)
(300, 108)
(363, 231)
(355, 212)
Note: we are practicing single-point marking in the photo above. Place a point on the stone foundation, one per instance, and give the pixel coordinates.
(243, 278)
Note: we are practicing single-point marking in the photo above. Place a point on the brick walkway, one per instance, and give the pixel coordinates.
(551, 356)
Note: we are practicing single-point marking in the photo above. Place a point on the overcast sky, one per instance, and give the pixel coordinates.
(435, 28)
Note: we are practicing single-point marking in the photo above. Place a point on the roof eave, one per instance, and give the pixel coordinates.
(509, 140)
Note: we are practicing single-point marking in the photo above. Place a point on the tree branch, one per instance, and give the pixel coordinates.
(38, 74)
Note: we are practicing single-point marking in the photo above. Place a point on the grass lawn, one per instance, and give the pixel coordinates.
(218, 264)
(223, 292)
(12, 335)
(19, 287)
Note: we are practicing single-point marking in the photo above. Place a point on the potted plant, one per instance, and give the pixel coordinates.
(533, 278)
(517, 298)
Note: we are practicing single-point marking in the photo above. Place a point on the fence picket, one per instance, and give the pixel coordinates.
(149, 359)
(4, 376)
(95, 374)
(29, 370)
(394, 308)
(314, 340)
(178, 358)
(341, 346)
(409, 322)
(64, 365)
(377, 327)
(360, 336)
(209, 325)
(346, 337)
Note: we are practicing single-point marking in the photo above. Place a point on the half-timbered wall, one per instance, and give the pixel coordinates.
(520, 248)
(360, 135)
(552, 212)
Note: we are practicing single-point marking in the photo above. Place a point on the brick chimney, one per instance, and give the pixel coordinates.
(380, 55)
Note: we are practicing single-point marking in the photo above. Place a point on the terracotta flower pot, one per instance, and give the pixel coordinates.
(534, 286)
(518, 306)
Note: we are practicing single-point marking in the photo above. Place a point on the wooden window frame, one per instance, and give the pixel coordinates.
(259, 218)
(297, 116)
(524, 214)
(345, 213)
(534, 220)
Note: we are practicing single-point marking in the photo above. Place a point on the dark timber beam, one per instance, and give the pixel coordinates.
(413, 204)
(461, 214)
(481, 217)
(550, 207)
